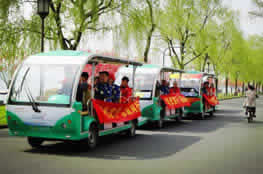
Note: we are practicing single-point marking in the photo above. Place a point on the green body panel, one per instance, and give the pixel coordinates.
(73, 131)
(3, 121)
(152, 112)
(70, 132)
(196, 108)
(115, 130)
(86, 122)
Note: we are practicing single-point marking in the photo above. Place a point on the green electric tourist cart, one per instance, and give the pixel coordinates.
(3, 121)
(191, 84)
(146, 79)
(42, 99)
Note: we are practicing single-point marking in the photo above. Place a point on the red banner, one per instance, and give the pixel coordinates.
(211, 100)
(115, 112)
(192, 99)
(174, 101)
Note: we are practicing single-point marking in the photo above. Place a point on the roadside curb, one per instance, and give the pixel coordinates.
(230, 98)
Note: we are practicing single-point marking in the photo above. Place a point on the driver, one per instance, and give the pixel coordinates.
(164, 88)
(83, 90)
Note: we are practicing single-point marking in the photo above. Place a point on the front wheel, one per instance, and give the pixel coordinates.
(35, 142)
(92, 140)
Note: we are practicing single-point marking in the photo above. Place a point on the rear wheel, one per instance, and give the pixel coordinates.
(160, 122)
(132, 131)
(202, 115)
(35, 142)
(250, 117)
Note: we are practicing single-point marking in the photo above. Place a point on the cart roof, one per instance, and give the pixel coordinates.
(202, 73)
(76, 57)
(159, 68)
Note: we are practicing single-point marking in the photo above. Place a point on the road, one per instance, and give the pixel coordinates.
(223, 144)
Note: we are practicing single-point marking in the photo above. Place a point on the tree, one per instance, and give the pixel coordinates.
(69, 20)
(181, 24)
(138, 22)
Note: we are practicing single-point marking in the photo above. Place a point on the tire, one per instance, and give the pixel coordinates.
(178, 119)
(202, 115)
(160, 123)
(250, 117)
(93, 137)
(132, 131)
(211, 113)
(35, 142)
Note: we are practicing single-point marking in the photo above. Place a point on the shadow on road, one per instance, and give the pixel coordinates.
(121, 147)
(221, 119)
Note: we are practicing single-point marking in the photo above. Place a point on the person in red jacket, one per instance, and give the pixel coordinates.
(126, 91)
(175, 89)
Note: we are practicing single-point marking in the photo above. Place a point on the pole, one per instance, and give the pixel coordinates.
(208, 67)
(42, 33)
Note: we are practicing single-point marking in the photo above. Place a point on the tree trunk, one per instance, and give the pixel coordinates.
(204, 64)
(150, 33)
(226, 85)
(236, 86)
(148, 44)
(243, 88)
(216, 85)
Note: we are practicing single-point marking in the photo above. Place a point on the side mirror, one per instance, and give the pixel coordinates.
(77, 106)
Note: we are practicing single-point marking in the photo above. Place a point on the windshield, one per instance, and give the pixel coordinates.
(144, 81)
(190, 83)
(47, 84)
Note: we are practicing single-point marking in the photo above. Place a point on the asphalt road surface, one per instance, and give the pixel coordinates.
(223, 144)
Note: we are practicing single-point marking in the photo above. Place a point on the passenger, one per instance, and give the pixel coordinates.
(175, 89)
(164, 87)
(205, 88)
(115, 89)
(126, 91)
(83, 91)
(102, 90)
(212, 89)
(96, 80)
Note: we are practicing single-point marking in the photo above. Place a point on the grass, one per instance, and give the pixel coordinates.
(2, 116)
(231, 96)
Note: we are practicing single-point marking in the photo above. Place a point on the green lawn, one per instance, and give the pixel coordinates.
(2, 116)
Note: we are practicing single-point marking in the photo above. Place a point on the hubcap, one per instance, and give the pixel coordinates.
(91, 137)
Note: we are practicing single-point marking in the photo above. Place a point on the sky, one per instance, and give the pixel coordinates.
(249, 24)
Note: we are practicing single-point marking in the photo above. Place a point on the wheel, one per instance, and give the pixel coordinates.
(160, 122)
(92, 139)
(132, 131)
(250, 117)
(202, 115)
(178, 119)
(35, 142)
(211, 113)
(214, 109)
